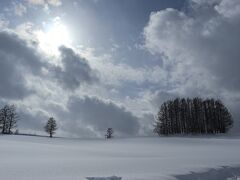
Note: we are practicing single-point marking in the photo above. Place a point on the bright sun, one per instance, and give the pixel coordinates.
(58, 35)
(53, 37)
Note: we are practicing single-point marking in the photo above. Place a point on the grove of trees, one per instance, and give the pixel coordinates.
(8, 119)
(192, 116)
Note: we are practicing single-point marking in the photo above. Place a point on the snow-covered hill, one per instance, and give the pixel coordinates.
(41, 158)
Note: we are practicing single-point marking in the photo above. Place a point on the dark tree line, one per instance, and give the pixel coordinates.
(193, 116)
(8, 119)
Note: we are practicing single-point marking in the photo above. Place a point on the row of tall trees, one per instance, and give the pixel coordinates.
(8, 119)
(193, 116)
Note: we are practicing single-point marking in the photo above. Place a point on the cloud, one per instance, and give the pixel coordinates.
(45, 2)
(159, 97)
(122, 73)
(20, 51)
(98, 115)
(19, 8)
(54, 2)
(199, 47)
(75, 70)
(20, 60)
(229, 8)
(12, 82)
(17, 60)
(36, 2)
(206, 44)
(3, 22)
(31, 121)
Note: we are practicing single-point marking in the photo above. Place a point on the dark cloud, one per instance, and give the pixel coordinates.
(20, 51)
(99, 115)
(17, 59)
(12, 82)
(75, 70)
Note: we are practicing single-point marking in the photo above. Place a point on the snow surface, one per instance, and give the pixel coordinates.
(41, 158)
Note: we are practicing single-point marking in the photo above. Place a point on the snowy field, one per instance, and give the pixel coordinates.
(41, 158)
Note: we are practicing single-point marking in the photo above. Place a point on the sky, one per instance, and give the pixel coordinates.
(94, 64)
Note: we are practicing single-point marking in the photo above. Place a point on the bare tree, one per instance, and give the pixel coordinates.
(12, 119)
(109, 133)
(8, 119)
(51, 126)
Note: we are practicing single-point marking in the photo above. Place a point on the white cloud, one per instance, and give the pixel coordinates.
(26, 30)
(54, 2)
(203, 46)
(45, 2)
(229, 8)
(36, 2)
(120, 72)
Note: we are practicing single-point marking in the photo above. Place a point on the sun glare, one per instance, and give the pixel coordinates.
(58, 35)
(53, 37)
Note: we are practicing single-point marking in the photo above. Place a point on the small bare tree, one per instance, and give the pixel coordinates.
(51, 126)
(109, 133)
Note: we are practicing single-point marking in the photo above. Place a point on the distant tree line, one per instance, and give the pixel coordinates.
(192, 116)
(8, 119)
